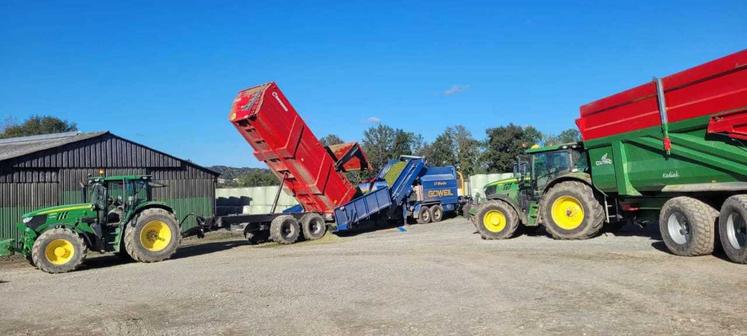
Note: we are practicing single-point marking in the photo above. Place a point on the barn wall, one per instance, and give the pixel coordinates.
(52, 177)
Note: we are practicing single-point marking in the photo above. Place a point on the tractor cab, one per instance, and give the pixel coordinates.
(114, 197)
(550, 162)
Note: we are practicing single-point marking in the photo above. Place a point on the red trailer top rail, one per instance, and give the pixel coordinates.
(281, 139)
(714, 87)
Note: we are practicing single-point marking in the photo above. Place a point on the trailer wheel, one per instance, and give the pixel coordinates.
(496, 220)
(313, 226)
(152, 236)
(58, 251)
(438, 213)
(570, 211)
(285, 230)
(425, 215)
(732, 228)
(687, 226)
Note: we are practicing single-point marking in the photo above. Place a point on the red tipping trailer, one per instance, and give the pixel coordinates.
(699, 91)
(282, 140)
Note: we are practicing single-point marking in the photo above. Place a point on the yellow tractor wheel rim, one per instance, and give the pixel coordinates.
(155, 236)
(59, 251)
(494, 221)
(567, 212)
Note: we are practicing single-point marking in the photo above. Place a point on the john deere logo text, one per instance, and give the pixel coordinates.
(604, 160)
(440, 193)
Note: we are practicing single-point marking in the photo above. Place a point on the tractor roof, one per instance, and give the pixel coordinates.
(554, 148)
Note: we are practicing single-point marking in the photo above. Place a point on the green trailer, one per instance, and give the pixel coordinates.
(672, 151)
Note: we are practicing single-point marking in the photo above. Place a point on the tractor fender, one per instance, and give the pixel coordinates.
(149, 205)
(513, 204)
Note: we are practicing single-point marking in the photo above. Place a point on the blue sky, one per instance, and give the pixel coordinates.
(164, 73)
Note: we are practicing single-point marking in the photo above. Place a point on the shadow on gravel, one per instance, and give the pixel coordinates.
(2, 282)
(187, 251)
(207, 248)
(718, 252)
(370, 226)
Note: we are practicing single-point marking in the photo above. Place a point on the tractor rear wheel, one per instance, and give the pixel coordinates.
(732, 228)
(152, 236)
(438, 213)
(570, 211)
(687, 226)
(58, 251)
(424, 215)
(496, 220)
(313, 226)
(284, 229)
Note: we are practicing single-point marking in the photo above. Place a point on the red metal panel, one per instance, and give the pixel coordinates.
(281, 139)
(710, 88)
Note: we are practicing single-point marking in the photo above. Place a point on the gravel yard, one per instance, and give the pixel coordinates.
(427, 279)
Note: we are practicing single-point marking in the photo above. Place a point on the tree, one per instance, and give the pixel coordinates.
(505, 143)
(258, 178)
(455, 146)
(382, 143)
(36, 125)
(330, 140)
(568, 136)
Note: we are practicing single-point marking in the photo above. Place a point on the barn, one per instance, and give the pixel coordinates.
(46, 170)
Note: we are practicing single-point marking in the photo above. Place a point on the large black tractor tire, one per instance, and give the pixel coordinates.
(496, 220)
(437, 212)
(425, 215)
(732, 228)
(313, 226)
(284, 229)
(58, 251)
(569, 210)
(152, 235)
(687, 226)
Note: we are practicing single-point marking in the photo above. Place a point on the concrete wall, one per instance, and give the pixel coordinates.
(259, 199)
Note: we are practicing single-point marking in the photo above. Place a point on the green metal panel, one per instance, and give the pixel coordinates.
(635, 162)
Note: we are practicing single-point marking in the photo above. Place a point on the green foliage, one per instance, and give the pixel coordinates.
(505, 143)
(383, 143)
(568, 136)
(36, 125)
(331, 139)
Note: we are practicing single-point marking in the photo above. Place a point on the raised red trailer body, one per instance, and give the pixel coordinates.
(719, 85)
(281, 139)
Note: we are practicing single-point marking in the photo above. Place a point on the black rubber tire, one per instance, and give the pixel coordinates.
(593, 211)
(437, 213)
(313, 226)
(284, 229)
(133, 244)
(424, 215)
(123, 255)
(512, 220)
(41, 261)
(699, 218)
(731, 228)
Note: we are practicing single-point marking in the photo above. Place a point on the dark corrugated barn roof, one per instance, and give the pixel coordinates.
(21, 146)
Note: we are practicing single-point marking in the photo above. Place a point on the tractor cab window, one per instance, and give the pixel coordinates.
(98, 196)
(580, 160)
(116, 192)
(549, 165)
(138, 190)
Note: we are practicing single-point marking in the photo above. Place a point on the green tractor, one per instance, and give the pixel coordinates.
(117, 216)
(553, 188)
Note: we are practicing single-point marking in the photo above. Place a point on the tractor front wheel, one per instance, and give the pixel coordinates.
(58, 251)
(152, 236)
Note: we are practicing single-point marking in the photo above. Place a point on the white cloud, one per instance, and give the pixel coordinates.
(454, 89)
(373, 120)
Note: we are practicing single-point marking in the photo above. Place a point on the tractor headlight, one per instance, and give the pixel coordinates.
(26, 220)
